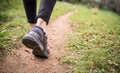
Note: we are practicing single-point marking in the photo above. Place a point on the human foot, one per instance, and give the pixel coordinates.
(36, 39)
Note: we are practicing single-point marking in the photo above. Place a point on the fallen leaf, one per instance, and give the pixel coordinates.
(91, 64)
(111, 69)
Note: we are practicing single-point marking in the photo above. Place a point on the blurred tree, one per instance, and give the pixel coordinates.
(72, 1)
(113, 5)
(8, 1)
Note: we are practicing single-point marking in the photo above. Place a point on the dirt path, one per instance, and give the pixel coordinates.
(22, 61)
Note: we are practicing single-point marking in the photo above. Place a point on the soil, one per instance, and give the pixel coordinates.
(23, 61)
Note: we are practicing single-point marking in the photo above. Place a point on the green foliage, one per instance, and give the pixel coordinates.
(3, 15)
(12, 19)
(95, 42)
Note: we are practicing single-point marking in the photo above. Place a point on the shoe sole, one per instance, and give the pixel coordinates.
(37, 47)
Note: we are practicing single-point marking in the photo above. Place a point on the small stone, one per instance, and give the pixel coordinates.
(27, 51)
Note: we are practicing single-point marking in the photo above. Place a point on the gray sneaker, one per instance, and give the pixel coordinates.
(36, 39)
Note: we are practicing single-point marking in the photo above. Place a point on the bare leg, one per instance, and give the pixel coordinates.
(41, 23)
(32, 25)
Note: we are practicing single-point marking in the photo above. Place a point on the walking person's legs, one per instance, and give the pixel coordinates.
(30, 9)
(45, 10)
(36, 39)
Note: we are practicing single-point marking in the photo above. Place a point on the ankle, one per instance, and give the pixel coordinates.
(32, 25)
(41, 23)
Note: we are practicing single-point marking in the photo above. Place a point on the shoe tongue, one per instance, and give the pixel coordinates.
(38, 30)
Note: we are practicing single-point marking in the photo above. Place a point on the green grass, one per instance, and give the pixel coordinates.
(13, 23)
(60, 10)
(12, 19)
(95, 43)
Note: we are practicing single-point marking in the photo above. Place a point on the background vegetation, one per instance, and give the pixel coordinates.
(113, 5)
(94, 46)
